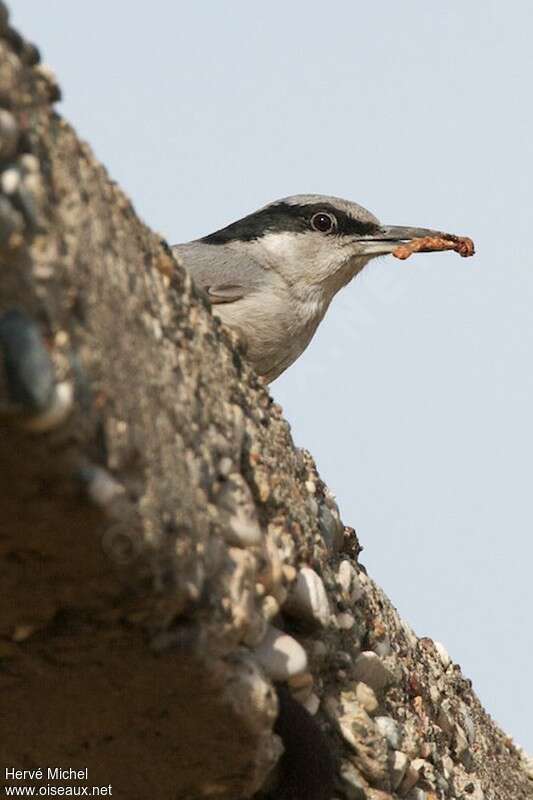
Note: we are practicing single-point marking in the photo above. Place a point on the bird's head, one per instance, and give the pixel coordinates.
(314, 241)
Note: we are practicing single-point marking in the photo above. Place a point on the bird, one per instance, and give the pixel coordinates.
(273, 274)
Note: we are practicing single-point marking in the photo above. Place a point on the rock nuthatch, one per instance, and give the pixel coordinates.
(273, 274)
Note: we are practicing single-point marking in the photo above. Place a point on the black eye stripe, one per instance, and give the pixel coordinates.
(285, 217)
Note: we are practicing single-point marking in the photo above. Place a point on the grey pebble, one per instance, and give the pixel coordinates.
(370, 669)
(28, 368)
(331, 529)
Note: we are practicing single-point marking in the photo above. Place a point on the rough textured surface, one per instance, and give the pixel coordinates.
(153, 527)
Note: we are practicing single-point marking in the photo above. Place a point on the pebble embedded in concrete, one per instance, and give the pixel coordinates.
(434, 694)
(411, 776)
(383, 647)
(10, 180)
(242, 530)
(443, 654)
(366, 698)
(319, 651)
(398, 763)
(345, 621)
(331, 529)
(29, 163)
(236, 502)
(9, 134)
(280, 655)
(58, 411)
(389, 729)
(370, 669)
(102, 488)
(308, 600)
(345, 576)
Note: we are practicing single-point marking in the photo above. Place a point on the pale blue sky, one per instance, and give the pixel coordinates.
(416, 395)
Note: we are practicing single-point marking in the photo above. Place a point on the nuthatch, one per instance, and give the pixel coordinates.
(273, 274)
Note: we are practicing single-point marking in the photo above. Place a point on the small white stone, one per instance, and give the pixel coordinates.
(345, 576)
(345, 621)
(10, 181)
(365, 696)
(29, 162)
(280, 655)
(225, 465)
(388, 727)
(443, 654)
(370, 669)
(308, 599)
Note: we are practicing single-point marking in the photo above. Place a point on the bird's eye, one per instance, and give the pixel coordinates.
(323, 222)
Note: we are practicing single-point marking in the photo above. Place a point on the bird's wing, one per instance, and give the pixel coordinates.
(224, 274)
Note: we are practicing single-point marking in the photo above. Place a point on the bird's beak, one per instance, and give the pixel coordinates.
(389, 237)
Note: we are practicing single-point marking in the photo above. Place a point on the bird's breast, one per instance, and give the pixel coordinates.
(277, 329)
